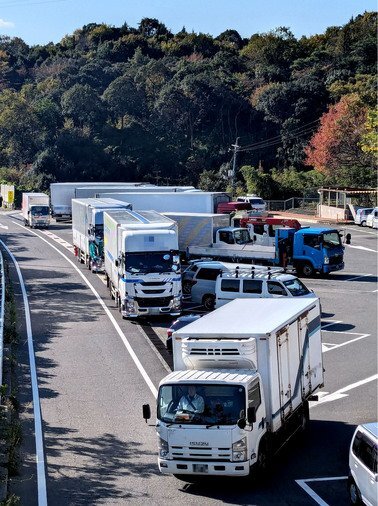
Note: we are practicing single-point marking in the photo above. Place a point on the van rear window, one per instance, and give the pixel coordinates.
(230, 285)
(252, 286)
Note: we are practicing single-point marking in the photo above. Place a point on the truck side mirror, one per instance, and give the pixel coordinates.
(251, 415)
(146, 412)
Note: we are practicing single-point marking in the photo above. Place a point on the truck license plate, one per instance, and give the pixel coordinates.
(200, 468)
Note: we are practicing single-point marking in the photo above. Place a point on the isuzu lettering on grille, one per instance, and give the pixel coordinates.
(199, 443)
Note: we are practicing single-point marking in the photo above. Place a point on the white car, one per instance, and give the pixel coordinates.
(363, 477)
(361, 216)
(372, 218)
(257, 203)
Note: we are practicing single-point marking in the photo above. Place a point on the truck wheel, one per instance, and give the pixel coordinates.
(354, 493)
(208, 302)
(263, 461)
(305, 416)
(363, 223)
(307, 270)
(186, 287)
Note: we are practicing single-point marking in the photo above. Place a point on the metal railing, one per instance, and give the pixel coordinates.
(292, 203)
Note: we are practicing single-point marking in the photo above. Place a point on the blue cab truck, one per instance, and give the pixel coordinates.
(308, 250)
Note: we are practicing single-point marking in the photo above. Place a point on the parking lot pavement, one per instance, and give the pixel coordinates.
(330, 491)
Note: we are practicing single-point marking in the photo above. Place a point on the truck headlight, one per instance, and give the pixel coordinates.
(176, 302)
(130, 306)
(326, 260)
(163, 448)
(239, 450)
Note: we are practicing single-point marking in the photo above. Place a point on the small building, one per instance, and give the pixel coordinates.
(341, 204)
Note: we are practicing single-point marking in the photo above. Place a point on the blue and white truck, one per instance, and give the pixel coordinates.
(142, 263)
(308, 250)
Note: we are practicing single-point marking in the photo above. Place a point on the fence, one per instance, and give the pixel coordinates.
(293, 203)
(2, 307)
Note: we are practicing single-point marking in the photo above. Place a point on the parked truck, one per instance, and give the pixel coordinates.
(241, 387)
(63, 193)
(186, 201)
(142, 263)
(308, 250)
(36, 210)
(197, 229)
(88, 229)
(88, 192)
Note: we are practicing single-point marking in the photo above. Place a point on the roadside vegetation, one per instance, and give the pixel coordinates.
(145, 104)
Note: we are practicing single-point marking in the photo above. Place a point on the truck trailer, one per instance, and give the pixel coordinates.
(88, 229)
(178, 202)
(62, 194)
(36, 210)
(88, 192)
(243, 378)
(142, 263)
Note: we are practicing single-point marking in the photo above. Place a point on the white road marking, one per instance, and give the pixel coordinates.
(331, 322)
(340, 394)
(108, 313)
(3, 226)
(40, 456)
(362, 248)
(311, 493)
(58, 239)
(330, 347)
(358, 277)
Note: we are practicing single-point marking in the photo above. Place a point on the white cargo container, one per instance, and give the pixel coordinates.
(243, 377)
(36, 210)
(142, 263)
(88, 192)
(162, 202)
(88, 229)
(197, 229)
(63, 193)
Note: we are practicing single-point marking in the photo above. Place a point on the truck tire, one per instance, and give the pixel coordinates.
(208, 301)
(354, 493)
(186, 287)
(363, 223)
(305, 416)
(307, 270)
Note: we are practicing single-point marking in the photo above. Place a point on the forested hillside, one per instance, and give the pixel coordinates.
(109, 103)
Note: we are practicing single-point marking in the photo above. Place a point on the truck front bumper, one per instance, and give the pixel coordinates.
(134, 310)
(332, 268)
(204, 468)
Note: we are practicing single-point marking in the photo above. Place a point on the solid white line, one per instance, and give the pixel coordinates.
(339, 394)
(109, 314)
(311, 493)
(363, 248)
(333, 322)
(356, 277)
(346, 342)
(40, 457)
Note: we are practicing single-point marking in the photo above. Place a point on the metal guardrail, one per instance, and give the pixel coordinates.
(2, 309)
(292, 203)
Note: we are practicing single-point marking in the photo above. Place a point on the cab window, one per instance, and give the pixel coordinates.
(311, 240)
(252, 286)
(209, 274)
(226, 237)
(254, 397)
(275, 288)
(230, 285)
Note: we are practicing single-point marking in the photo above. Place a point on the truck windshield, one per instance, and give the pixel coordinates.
(331, 239)
(296, 287)
(143, 263)
(242, 236)
(201, 404)
(40, 210)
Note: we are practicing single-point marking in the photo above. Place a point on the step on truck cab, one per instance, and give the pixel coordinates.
(142, 263)
(243, 377)
(36, 210)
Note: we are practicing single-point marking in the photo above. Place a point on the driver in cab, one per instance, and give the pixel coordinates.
(191, 401)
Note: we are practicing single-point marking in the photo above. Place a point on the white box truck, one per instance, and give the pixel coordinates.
(86, 192)
(243, 377)
(62, 194)
(142, 263)
(197, 229)
(36, 210)
(186, 201)
(88, 229)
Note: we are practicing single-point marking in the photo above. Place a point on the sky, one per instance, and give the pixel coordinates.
(43, 21)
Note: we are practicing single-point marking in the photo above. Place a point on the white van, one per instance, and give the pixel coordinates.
(199, 279)
(257, 203)
(243, 285)
(361, 215)
(363, 477)
(372, 218)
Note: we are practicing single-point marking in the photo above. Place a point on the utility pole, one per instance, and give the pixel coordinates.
(233, 172)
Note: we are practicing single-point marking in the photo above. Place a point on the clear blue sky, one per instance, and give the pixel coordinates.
(42, 21)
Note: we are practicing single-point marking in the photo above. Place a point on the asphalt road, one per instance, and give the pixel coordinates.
(93, 379)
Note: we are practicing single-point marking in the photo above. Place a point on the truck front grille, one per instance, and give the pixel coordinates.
(153, 292)
(153, 301)
(200, 454)
(151, 283)
(336, 260)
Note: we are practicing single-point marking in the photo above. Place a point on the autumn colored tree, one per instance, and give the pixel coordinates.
(336, 146)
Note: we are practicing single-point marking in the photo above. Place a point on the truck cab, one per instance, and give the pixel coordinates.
(311, 249)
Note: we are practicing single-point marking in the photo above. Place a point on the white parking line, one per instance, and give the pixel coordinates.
(328, 346)
(340, 394)
(362, 248)
(311, 493)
